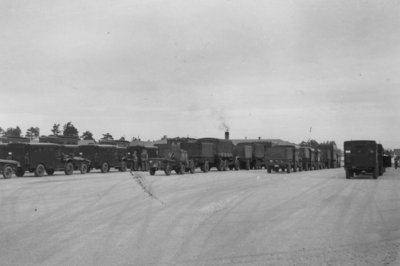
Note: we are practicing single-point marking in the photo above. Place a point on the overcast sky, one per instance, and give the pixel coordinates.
(272, 69)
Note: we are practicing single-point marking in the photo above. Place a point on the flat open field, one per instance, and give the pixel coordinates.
(242, 218)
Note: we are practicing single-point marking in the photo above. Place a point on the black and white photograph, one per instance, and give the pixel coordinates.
(199, 132)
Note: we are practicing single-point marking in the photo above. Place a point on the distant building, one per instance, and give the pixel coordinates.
(14, 140)
(59, 140)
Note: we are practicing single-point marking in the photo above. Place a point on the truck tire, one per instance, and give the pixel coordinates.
(7, 172)
(123, 167)
(20, 172)
(152, 171)
(269, 169)
(40, 170)
(289, 168)
(69, 168)
(50, 171)
(84, 168)
(104, 167)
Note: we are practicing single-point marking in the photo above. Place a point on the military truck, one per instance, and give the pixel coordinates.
(362, 156)
(259, 148)
(171, 157)
(223, 154)
(80, 163)
(328, 155)
(244, 153)
(306, 158)
(202, 153)
(317, 159)
(103, 157)
(40, 158)
(281, 157)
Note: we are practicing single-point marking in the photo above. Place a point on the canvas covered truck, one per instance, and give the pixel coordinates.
(171, 157)
(40, 158)
(317, 159)
(201, 153)
(103, 157)
(306, 155)
(361, 156)
(259, 148)
(328, 155)
(223, 154)
(280, 158)
(244, 154)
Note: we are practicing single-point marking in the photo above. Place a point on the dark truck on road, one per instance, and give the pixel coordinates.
(307, 157)
(283, 157)
(202, 153)
(223, 154)
(329, 155)
(363, 156)
(171, 157)
(40, 158)
(103, 157)
(244, 154)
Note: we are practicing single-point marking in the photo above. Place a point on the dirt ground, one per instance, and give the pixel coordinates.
(218, 218)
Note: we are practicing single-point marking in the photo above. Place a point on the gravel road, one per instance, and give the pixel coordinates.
(218, 218)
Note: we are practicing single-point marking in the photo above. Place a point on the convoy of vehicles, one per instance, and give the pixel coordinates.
(185, 155)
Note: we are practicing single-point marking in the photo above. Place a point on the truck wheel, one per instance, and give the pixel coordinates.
(7, 172)
(104, 167)
(269, 169)
(168, 170)
(84, 169)
(152, 171)
(20, 172)
(69, 168)
(123, 167)
(39, 170)
(50, 171)
(89, 169)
